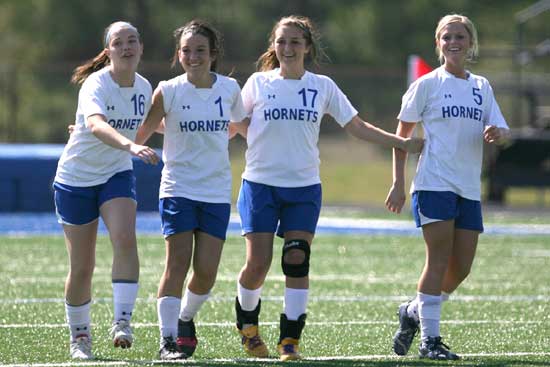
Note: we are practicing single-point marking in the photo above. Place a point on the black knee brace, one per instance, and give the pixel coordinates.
(296, 270)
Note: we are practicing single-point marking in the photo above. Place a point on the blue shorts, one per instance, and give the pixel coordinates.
(265, 208)
(435, 206)
(179, 214)
(80, 205)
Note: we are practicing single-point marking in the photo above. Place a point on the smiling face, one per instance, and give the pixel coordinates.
(290, 47)
(124, 48)
(454, 43)
(194, 54)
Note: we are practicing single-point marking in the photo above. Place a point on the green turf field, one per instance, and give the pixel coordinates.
(500, 316)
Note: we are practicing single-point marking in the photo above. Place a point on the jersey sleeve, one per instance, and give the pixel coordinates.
(92, 99)
(168, 94)
(413, 102)
(237, 113)
(249, 95)
(148, 97)
(493, 116)
(338, 105)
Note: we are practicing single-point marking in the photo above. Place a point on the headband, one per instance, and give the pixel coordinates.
(116, 27)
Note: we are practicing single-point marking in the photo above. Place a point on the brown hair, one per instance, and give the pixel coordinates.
(268, 60)
(81, 72)
(198, 26)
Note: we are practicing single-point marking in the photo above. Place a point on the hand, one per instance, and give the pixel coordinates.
(395, 199)
(145, 153)
(493, 134)
(71, 128)
(413, 145)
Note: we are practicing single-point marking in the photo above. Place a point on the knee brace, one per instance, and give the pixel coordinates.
(296, 270)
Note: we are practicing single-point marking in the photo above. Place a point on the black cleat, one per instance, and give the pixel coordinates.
(187, 337)
(433, 348)
(408, 327)
(169, 350)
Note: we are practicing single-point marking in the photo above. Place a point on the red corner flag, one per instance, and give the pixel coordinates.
(416, 68)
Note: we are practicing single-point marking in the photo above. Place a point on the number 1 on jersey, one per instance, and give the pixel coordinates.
(219, 102)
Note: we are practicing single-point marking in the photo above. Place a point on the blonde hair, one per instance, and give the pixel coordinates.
(268, 60)
(470, 28)
(100, 60)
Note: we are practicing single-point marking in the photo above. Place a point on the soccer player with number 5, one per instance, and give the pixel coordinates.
(458, 112)
(281, 187)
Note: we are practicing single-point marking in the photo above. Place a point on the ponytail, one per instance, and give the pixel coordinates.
(83, 71)
(268, 60)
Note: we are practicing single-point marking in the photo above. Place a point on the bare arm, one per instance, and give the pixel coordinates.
(153, 119)
(108, 135)
(365, 131)
(240, 128)
(396, 196)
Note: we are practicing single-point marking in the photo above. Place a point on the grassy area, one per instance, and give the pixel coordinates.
(499, 317)
(358, 175)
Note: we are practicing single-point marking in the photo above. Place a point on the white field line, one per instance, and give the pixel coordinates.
(368, 279)
(327, 298)
(254, 361)
(276, 323)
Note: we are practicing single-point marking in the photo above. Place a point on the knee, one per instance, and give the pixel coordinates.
(257, 268)
(295, 258)
(82, 273)
(124, 241)
(205, 277)
(462, 272)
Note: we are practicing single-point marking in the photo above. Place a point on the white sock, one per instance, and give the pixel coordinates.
(78, 318)
(124, 299)
(412, 309)
(429, 310)
(191, 303)
(168, 309)
(295, 302)
(248, 298)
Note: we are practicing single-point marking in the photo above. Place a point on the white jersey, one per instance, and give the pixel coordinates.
(454, 113)
(86, 160)
(195, 150)
(285, 118)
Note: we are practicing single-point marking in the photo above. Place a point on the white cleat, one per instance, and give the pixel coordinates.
(121, 332)
(81, 348)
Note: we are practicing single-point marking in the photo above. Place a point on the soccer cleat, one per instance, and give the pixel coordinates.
(81, 348)
(289, 337)
(253, 343)
(404, 336)
(251, 340)
(288, 349)
(187, 337)
(433, 348)
(169, 350)
(121, 332)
